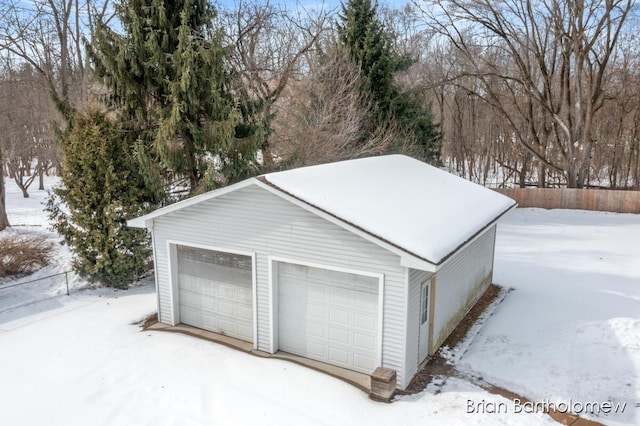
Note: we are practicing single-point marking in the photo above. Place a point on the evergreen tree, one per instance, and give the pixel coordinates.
(168, 79)
(102, 188)
(416, 121)
(369, 47)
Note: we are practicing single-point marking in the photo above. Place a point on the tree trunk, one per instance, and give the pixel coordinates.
(572, 176)
(542, 173)
(522, 181)
(41, 179)
(4, 221)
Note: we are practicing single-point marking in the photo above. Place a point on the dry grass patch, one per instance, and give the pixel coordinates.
(149, 321)
(22, 254)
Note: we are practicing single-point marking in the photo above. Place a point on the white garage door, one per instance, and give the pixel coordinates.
(328, 316)
(215, 291)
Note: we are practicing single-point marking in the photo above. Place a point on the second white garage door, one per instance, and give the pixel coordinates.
(328, 316)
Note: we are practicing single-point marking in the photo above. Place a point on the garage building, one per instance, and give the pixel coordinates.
(360, 264)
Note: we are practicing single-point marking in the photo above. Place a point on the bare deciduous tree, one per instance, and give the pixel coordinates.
(325, 117)
(542, 64)
(48, 35)
(26, 116)
(268, 43)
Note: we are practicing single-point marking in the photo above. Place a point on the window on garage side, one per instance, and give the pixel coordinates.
(424, 304)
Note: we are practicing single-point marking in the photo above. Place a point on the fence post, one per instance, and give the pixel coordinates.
(66, 277)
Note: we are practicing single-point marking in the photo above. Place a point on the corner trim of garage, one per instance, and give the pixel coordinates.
(359, 380)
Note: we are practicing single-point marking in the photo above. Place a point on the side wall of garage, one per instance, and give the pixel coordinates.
(254, 220)
(416, 278)
(460, 282)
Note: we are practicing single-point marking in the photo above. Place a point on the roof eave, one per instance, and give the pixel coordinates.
(145, 221)
(139, 222)
(413, 262)
(407, 259)
(477, 234)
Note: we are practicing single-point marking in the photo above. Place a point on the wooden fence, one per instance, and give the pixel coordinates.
(583, 199)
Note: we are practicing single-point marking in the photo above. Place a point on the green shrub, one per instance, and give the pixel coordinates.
(102, 188)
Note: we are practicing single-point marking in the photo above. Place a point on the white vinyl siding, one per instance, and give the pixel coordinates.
(253, 219)
(416, 278)
(460, 281)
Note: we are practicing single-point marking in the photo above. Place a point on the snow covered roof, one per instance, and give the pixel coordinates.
(410, 204)
(402, 203)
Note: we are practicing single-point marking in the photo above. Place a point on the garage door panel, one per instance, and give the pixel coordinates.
(366, 302)
(226, 307)
(340, 316)
(215, 291)
(245, 296)
(293, 291)
(293, 345)
(315, 331)
(365, 322)
(291, 306)
(364, 362)
(316, 293)
(340, 336)
(317, 274)
(363, 342)
(315, 350)
(245, 313)
(196, 284)
(341, 297)
(226, 325)
(194, 299)
(196, 315)
(245, 331)
(340, 320)
(316, 312)
(339, 356)
(366, 284)
(191, 313)
(227, 291)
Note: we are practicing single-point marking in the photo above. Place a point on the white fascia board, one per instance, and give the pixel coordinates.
(416, 263)
(146, 220)
(406, 259)
(139, 222)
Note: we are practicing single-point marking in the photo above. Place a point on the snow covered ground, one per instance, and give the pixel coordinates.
(570, 330)
(27, 216)
(82, 360)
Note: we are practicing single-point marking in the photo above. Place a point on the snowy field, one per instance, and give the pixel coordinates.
(569, 330)
(26, 216)
(83, 360)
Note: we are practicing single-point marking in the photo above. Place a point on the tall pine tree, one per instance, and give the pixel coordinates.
(167, 75)
(369, 46)
(101, 188)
